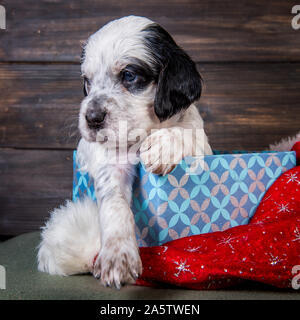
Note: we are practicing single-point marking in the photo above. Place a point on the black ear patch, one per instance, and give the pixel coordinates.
(179, 85)
(178, 81)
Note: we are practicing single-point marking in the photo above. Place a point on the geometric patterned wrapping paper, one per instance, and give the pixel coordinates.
(199, 196)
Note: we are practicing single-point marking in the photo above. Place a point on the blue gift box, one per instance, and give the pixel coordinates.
(200, 195)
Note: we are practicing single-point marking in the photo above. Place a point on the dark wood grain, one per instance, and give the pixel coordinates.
(245, 106)
(250, 106)
(32, 182)
(39, 105)
(210, 30)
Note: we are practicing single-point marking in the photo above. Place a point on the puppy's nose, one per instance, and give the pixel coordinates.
(95, 118)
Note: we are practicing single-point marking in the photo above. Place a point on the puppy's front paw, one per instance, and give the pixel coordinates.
(118, 263)
(162, 151)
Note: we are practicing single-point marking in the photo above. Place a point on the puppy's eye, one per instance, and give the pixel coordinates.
(129, 76)
(86, 86)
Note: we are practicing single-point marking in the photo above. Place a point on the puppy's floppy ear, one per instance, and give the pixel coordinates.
(179, 83)
(82, 57)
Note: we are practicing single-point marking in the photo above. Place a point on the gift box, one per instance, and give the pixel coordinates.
(200, 195)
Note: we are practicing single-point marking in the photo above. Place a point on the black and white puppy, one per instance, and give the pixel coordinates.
(139, 92)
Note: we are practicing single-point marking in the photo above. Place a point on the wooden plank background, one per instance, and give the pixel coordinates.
(246, 51)
(210, 30)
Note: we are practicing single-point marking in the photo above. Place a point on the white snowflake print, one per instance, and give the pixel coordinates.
(292, 177)
(297, 234)
(182, 267)
(260, 223)
(193, 249)
(227, 241)
(274, 260)
(266, 198)
(282, 207)
(165, 249)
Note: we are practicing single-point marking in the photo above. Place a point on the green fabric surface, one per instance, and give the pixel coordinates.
(18, 256)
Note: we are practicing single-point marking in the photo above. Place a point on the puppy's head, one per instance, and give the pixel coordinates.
(133, 71)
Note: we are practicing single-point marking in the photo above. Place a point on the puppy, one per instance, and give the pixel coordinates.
(139, 91)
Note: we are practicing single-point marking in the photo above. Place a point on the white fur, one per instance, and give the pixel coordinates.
(70, 239)
(285, 144)
(73, 234)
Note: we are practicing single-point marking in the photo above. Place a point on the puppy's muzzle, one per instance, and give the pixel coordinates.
(95, 115)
